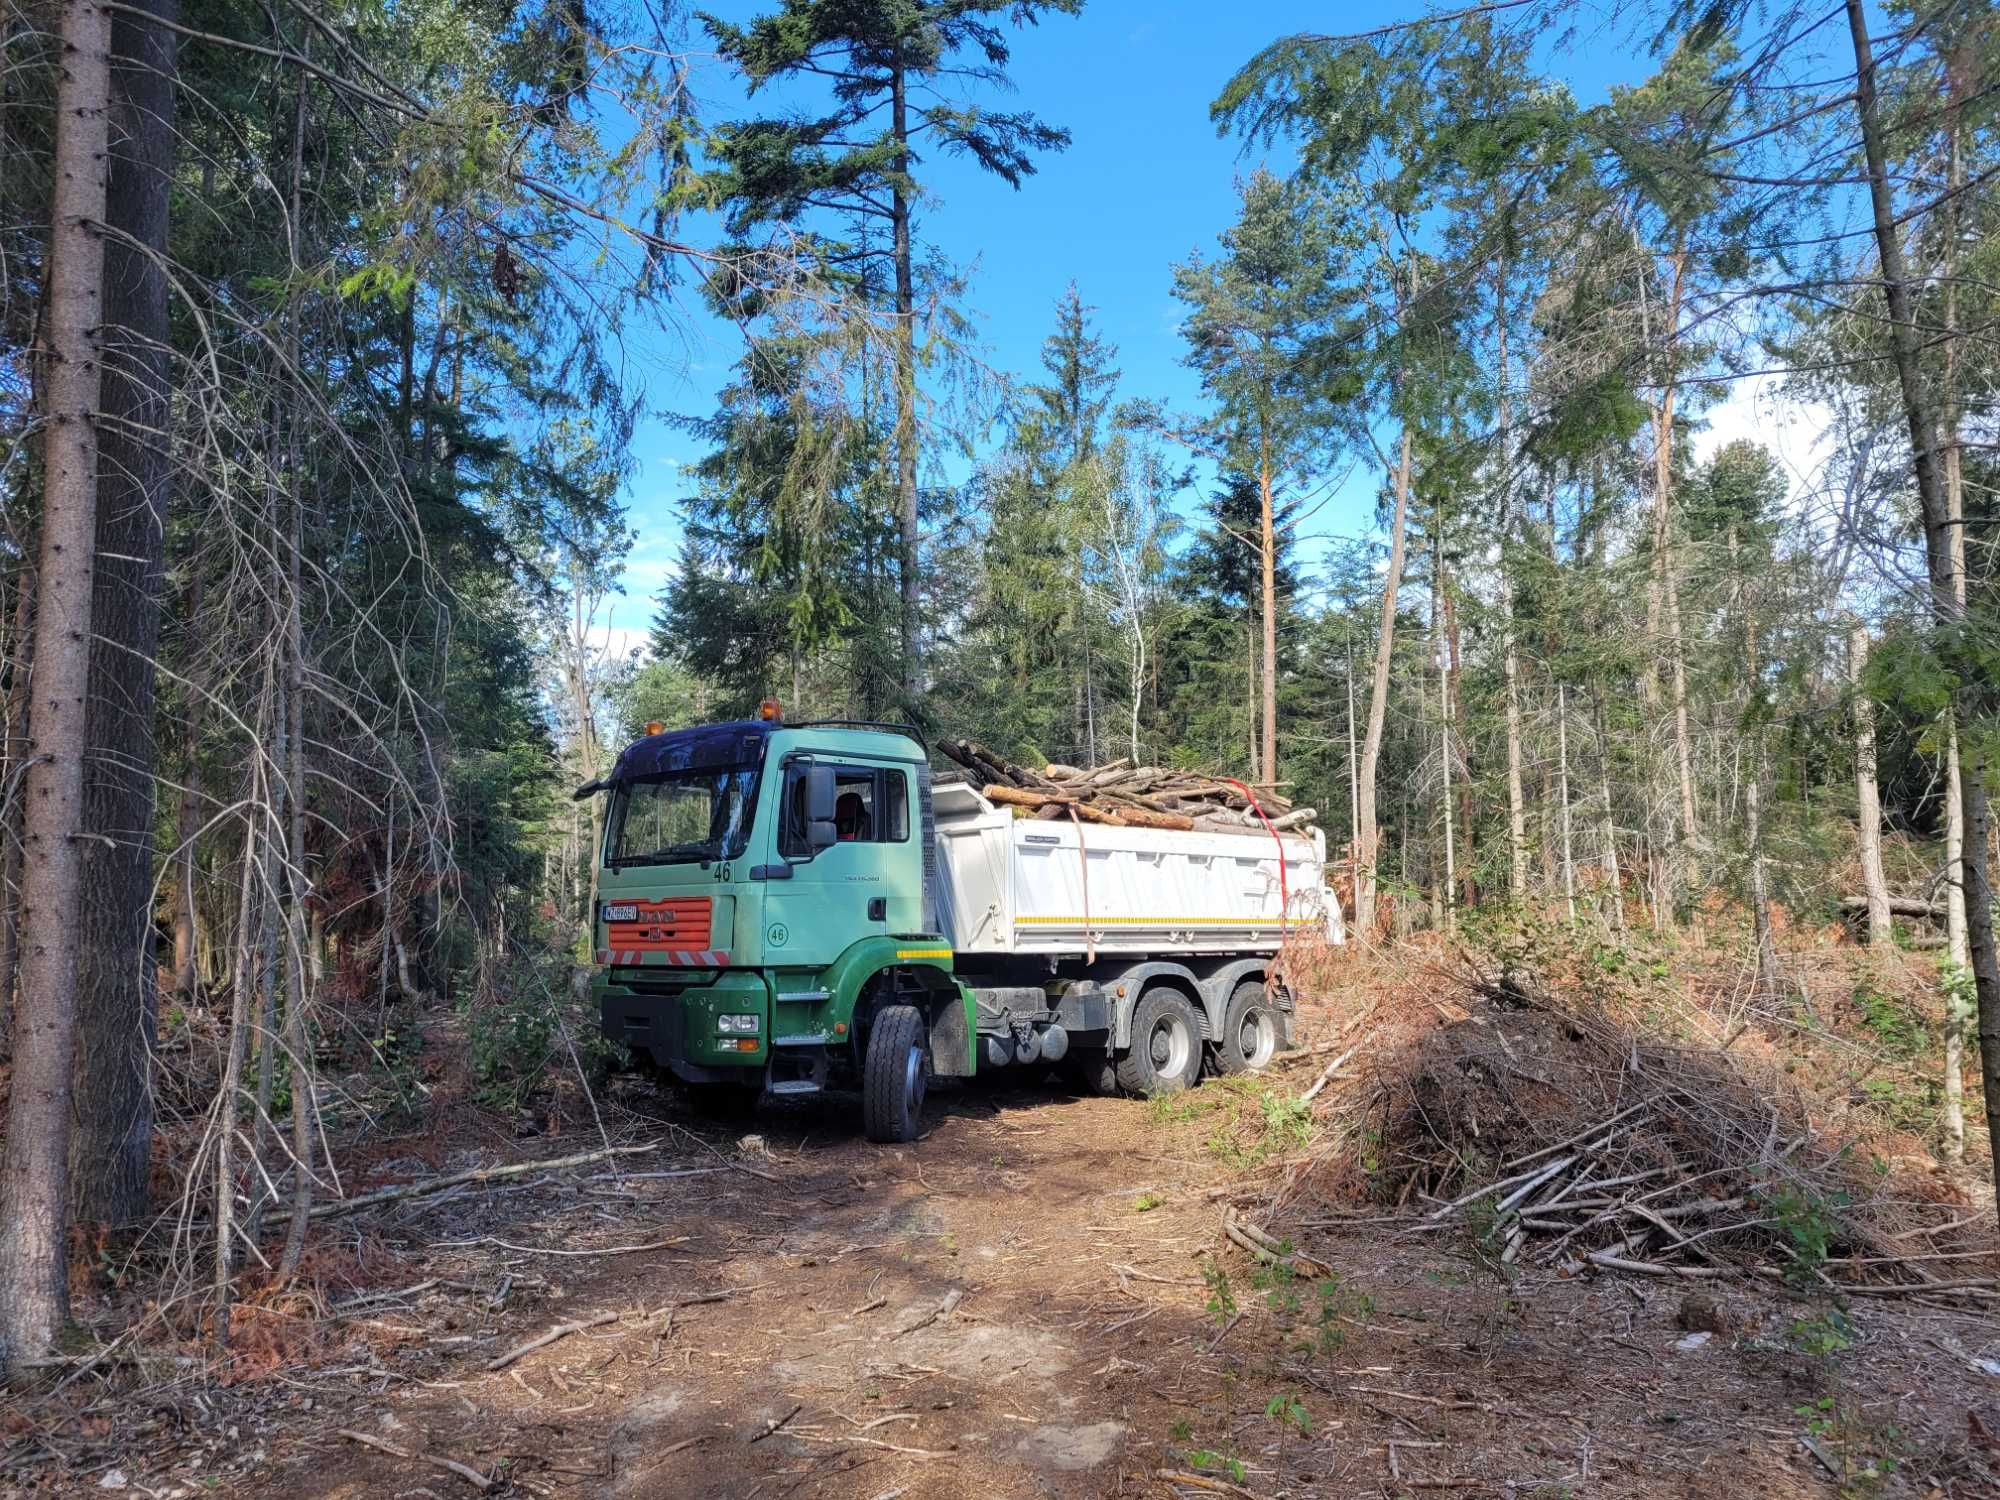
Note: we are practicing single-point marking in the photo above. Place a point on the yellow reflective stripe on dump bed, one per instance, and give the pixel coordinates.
(1164, 921)
(923, 953)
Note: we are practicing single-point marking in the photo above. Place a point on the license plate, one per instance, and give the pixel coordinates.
(621, 913)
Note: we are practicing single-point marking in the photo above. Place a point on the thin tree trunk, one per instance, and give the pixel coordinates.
(34, 1169)
(1353, 778)
(20, 673)
(906, 396)
(1609, 826)
(1369, 835)
(1867, 795)
(1445, 805)
(187, 823)
(1517, 818)
(1760, 895)
(1663, 612)
(1267, 755)
(248, 917)
(1958, 1007)
(1975, 693)
(1562, 800)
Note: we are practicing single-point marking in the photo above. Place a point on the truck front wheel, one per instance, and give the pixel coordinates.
(895, 1075)
(1165, 1056)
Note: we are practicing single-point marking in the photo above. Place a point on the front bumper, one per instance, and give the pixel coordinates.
(676, 1026)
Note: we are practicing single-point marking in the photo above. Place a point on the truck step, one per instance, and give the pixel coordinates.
(795, 1086)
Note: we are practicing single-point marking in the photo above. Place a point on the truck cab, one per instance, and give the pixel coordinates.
(763, 920)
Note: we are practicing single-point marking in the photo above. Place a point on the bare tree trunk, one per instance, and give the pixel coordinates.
(1958, 1007)
(1608, 829)
(1267, 755)
(1562, 800)
(1369, 835)
(34, 1170)
(248, 917)
(1663, 608)
(1975, 693)
(188, 820)
(1867, 795)
(117, 973)
(906, 399)
(1517, 817)
(21, 668)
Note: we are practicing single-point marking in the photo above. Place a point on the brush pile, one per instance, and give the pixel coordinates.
(1124, 795)
(1542, 1132)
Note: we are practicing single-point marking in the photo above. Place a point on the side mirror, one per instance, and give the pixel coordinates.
(820, 830)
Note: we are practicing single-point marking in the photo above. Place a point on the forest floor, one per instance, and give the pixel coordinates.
(1033, 1300)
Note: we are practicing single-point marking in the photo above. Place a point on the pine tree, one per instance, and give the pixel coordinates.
(890, 67)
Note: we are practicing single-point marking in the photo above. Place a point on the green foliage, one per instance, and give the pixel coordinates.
(1811, 1226)
(1822, 1334)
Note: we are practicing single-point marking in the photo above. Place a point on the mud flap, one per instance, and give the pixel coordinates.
(951, 1036)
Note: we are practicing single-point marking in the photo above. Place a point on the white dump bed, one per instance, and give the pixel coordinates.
(1006, 884)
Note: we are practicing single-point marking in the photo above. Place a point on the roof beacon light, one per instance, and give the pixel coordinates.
(656, 727)
(772, 710)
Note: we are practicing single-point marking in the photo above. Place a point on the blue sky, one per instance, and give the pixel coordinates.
(1145, 183)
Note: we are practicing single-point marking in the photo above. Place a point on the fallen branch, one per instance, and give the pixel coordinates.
(464, 1471)
(666, 1244)
(338, 1206)
(560, 1331)
(772, 1424)
(1204, 1482)
(1326, 1077)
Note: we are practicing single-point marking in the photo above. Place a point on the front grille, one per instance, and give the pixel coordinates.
(680, 923)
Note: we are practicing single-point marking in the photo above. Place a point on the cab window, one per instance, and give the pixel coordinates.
(870, 806)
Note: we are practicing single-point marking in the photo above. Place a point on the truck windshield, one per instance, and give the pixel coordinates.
(690, 815)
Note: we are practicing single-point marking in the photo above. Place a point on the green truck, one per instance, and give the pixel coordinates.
(786, 908)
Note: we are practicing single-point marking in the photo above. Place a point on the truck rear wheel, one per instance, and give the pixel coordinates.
(895, 1075)
(1249, 1031)
(1165, 1055)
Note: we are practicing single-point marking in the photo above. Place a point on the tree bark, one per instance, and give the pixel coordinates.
(34, 1169)
(1562, 800)
(117, 984)
(1975, 694)
(188, 820)
(1369, 835)
(1867, 794)
(1958, 1018)
(906, 397)
(19, 676)
(1267, 756)
(1663, 608)
(1517, 817)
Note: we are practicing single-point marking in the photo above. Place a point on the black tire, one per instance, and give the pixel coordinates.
(1251, 1029)
(895, 1075)
(1165, 1055)
(1093, 1072)
(723, 1103)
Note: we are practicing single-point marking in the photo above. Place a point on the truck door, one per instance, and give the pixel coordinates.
(863, 883)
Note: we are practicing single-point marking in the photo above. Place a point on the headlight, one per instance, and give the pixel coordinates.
(738, 1025)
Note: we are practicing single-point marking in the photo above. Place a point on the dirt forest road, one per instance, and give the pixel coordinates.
(982, 1313)
(1024, 1303)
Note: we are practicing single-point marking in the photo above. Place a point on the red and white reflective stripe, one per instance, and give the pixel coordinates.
(690, 958)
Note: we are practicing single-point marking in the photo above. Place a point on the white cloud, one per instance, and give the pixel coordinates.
(1798, 433)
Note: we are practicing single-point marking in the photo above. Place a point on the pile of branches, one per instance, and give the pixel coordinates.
(1124, 795)
(1546, 1133)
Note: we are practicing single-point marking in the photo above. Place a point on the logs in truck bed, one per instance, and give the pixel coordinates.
(1127, 796)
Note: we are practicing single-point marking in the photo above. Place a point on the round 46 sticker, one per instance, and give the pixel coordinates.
(778, 934)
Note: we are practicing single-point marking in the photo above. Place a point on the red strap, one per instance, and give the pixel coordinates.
(1284, 887)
